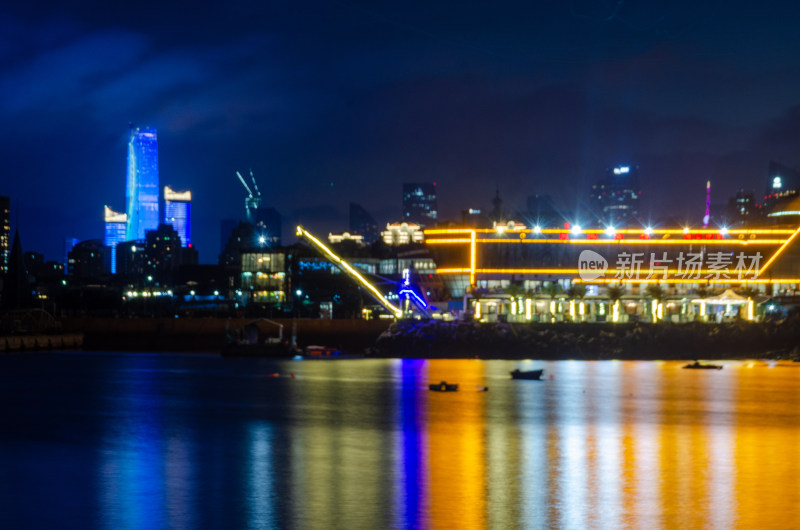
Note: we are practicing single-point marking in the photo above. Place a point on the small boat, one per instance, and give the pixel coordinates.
(698, 366)
(443, 387)
(530, 374)
(249, 341)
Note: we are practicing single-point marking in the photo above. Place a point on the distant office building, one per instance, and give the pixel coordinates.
(89, 260)
(268, 225)
(361, 222)
(131, 258)
(162, 251)
(69, 244)
(177, 213)
(615, 198)
(5, 233)
(142, 186)
(782, 186)
(743, 209)
(116, 232)
(419, 203)
(402, 234)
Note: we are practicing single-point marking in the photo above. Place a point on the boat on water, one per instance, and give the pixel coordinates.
(250, 341)
(529, 374)
(697, 365)
(444, 386)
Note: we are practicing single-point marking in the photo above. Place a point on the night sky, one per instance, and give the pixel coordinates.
(334, 102)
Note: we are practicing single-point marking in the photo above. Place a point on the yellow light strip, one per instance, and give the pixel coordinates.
(699, 280)
(609, 272)
(350, 270)
(778, 252)
(447, 241)
(654, 231)
(472, 259)
(653, 242)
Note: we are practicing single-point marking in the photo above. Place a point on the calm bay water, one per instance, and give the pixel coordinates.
(92, 440)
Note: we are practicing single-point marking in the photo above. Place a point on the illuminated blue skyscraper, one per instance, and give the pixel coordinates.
(177, 210)
(116, 229)
(142, 190)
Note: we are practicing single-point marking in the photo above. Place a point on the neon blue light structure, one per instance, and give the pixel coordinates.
(142, 187)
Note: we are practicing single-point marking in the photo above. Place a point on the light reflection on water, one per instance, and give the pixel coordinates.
(147, 441)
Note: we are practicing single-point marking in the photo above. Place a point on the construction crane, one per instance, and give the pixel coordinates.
(253, 200)
(350, 271)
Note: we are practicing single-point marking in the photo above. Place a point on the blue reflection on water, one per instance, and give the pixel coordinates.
(132, 481)
(411, 444)
(261, 477)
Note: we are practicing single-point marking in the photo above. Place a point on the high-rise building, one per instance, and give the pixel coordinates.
(783, 185)
(615, 198)
(116, 232)
(163, 252)
(362, 223)
(177, 212)
(419, 203)
(5, 233)
(69, 244)
(89, 260)
(743, 209)
(142, 187)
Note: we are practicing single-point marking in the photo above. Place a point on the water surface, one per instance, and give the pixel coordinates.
(109, 440)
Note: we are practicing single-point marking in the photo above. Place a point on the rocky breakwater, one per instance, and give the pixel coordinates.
(590, 341)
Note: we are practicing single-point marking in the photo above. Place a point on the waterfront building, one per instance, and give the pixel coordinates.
(615, 198)
(142, 182)
(177, 213)
(402, 234)
(263, 277)
(5, 233)
(361, 222)
(420, 204)
(572, 273)
(356, 239)
(116, 232)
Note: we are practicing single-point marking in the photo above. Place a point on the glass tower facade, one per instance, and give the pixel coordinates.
(615, 199)
(116, 232)
(419, 203)
(142, 190)
(177, 212)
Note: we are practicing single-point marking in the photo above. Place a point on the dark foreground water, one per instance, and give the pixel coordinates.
(196, 441)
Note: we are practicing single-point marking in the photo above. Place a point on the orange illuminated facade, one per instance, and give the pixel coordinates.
(681, 261)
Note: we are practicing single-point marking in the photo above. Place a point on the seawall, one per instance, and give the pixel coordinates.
(207, 334)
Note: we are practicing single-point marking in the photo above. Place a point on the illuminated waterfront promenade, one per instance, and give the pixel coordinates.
(661, 273)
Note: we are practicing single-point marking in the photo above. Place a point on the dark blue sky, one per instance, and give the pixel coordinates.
(333, 102)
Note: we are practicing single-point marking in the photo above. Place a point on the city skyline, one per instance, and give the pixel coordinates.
(333, 104)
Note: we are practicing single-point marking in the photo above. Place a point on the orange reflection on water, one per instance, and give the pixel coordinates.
(767, 446)
(456, 450)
